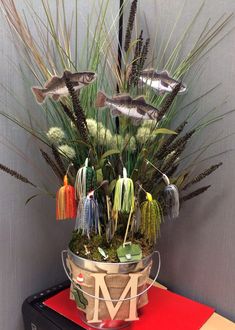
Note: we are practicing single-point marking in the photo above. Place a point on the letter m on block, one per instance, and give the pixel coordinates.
(131, 286)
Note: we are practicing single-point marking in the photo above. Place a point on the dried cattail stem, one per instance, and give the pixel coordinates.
(143, 55)
(130, 24)
(170, 162)
(58, 160)
(69, 113)
(52, 164)
(133, 79)
(172, 170)
(16, 175)
(170, 139)
(194, 193)
(202, 175)
(173, 146)
(80, 116)
(168, 101)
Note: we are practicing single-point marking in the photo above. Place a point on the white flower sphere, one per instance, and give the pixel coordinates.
(117, 142)
(67, 151)
(149, 123)
(92, 127)
(130, 141)
(105, 136)
(143, 134)
(56, 135)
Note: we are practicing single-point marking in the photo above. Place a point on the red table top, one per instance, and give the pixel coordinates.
(165, 311)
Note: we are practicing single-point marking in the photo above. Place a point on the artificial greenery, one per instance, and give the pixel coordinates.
(77, 130)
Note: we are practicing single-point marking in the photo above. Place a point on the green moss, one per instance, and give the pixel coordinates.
(81, 244)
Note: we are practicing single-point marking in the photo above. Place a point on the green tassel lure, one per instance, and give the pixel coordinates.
(124, 194)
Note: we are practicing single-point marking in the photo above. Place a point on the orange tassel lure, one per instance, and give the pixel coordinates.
(66, 206)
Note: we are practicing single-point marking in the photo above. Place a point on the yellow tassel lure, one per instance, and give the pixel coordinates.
(151, 218)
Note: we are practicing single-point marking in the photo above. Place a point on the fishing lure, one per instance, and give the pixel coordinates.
(65, 202)
(124, 194)
(124, 199)
(88, 215)
(85, 181)
(151, 218)
(171, 195)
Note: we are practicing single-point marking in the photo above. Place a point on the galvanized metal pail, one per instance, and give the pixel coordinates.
(111, 271)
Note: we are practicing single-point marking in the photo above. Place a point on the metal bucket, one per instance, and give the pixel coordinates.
(109, 268)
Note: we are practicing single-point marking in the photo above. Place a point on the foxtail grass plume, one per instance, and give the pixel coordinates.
(16, 175)
(79, 113)
(52, 165)
(201, 176)
(195, 193)
(130, 24)
(58, 159)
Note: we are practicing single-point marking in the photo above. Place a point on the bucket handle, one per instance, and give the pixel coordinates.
(113, 300)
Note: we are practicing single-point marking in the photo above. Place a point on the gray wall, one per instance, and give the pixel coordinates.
(30, 237)
(197, 249)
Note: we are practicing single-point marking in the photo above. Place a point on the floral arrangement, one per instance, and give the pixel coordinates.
(111, 139)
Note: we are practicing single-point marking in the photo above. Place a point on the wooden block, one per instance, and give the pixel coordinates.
(218, 322)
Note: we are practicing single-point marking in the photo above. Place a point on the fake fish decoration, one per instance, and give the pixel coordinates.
(56, 87)
(137, 109)
(160, 81)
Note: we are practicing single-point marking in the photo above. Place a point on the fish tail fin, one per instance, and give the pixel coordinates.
(39, 95)
(100, 100)
(55, 97)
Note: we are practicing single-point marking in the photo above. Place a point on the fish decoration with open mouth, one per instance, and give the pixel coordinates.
(56, 86)
(137, 109)
(160, 81)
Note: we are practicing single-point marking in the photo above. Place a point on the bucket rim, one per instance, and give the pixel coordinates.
(109, 263)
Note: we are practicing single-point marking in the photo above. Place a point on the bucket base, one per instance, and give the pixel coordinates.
(106, 324)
